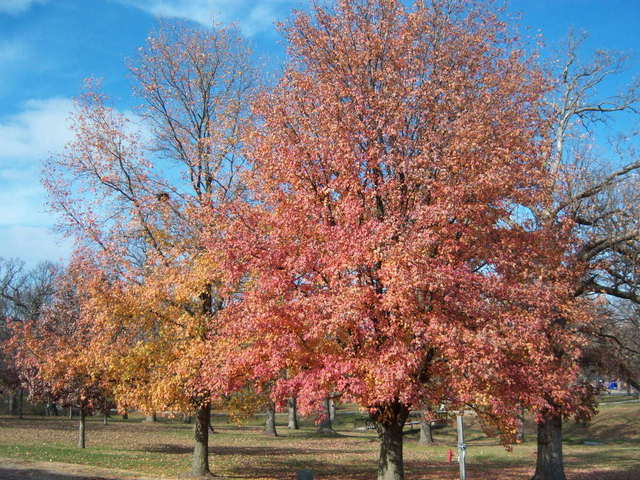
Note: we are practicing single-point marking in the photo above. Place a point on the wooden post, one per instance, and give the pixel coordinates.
(461, 446)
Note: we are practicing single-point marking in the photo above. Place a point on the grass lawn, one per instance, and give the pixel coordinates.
(242, 452)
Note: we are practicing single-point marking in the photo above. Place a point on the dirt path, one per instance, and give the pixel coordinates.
(16, 469)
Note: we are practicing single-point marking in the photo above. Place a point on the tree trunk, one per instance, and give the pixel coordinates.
(125, 416)
(12, 403)
(105, 416)
(270, 423)
(20, 403)
(520, 434)
(293, 414)
(70, 412)
(549, 464)
(200, 464)
(82, 428)
(390, 420)
(326, 427)
(332, 410)
(426, 433)
(150, 418)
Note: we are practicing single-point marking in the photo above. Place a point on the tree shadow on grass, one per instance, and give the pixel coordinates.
(633, 474)
(167, 449)
(38, 474)
(264, 451)
(44, 423)
(416, 470)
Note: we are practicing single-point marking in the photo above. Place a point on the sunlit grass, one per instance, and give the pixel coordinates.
(243, 452)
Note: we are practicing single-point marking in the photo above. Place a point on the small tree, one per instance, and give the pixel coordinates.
(51, 353)
(23, 295)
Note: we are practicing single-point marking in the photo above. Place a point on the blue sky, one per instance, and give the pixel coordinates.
(47, 48)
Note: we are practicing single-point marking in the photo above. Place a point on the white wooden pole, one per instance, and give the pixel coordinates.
(461, 446)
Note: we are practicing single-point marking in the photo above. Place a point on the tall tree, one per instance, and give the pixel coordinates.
(385, 248)
(599, 198)
(137, 201)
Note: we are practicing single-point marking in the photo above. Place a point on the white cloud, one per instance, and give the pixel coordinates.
(27, 137)
(251, 16)
(14, 7)
(34, 133)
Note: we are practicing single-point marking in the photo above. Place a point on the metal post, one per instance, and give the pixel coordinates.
(461, 446)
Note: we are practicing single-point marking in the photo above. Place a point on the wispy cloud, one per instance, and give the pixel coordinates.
(251, 16)
(27, 137)
(14, 7)
(35, 132)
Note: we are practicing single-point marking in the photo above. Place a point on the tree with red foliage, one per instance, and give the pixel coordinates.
(386, 252)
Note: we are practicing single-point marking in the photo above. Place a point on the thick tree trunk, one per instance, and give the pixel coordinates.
(426, 433)
(105, 417)
(82, 428)
(326, 427)
(270, 423)
(125, 416)
(389, 423)
(20, 403)
(12, 404)
(293, 414)
(200, 464)
(70, 412)
(549, 464)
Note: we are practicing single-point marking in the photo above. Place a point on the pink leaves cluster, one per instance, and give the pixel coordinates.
(383, 250)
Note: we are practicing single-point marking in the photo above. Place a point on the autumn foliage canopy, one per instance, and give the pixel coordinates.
(363, 230)
(386, 245)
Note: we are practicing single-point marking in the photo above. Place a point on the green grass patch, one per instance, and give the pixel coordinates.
(163, 449)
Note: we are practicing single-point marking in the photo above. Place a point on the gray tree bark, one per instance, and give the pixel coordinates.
(332, 410)
(426, 433)
(549, 463)
(200, 461)
(12, 404)
(270, 423)
(390, 460)
(293, 413)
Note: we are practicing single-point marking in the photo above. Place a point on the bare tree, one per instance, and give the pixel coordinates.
(23, 294)
(599, 195)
